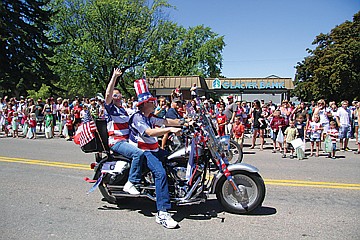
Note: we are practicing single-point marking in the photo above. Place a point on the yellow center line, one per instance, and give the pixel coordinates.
(299, 182)
(277, 182)
(46, 163)
(310, 184)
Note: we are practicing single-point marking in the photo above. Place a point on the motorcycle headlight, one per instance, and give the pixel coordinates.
(225, 142)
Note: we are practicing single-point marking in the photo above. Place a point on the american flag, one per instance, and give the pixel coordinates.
(85, 132)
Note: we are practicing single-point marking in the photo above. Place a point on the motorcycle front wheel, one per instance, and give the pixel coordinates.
(235, 152)
(252, 192)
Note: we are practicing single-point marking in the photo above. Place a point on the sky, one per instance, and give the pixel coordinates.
(264, 37)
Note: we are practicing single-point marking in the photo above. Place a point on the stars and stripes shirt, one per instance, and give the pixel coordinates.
(118, 124)
(138, 125)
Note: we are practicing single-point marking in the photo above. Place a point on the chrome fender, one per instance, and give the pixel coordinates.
(233, 167)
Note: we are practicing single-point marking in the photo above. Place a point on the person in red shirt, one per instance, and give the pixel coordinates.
(69, 124)
(181, 109)
(76, 111)
(276, 124)
(238, 130)
(32, 125)
(221, 120)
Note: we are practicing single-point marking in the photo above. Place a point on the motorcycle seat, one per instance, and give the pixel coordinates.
(118, 157)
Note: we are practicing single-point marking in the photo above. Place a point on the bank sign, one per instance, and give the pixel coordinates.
(217, 84)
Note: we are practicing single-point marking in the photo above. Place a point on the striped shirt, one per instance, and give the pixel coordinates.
(333, 133)
(138, 125)
(118, 124)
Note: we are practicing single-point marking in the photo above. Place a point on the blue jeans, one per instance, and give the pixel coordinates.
(130, 151)
(161, 184)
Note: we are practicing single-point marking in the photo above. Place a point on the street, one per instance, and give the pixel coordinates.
(43, 196)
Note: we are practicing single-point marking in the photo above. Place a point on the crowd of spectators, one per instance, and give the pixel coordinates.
(26, 117)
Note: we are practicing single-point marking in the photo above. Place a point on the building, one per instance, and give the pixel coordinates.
(270, 88)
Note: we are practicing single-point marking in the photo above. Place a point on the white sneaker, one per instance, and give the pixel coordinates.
(130, 188)
(165, 219)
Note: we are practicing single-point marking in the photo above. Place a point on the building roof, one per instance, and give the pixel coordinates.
(173, 82)
(186, 82)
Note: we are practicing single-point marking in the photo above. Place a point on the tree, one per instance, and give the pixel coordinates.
(332, 69)
(24, 47)
(196, 51)
(98, 35)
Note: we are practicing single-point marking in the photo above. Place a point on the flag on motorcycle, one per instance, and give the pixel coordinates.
(86, 131)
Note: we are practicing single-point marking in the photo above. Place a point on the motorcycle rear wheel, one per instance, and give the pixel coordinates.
(106, 194)
(121, 180)
(255, 188)
(236, 152)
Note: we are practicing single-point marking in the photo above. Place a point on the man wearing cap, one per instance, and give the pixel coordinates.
(144, 130)
(118, 130)
(230, 112)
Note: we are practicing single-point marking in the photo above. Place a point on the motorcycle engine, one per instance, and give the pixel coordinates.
(181, 187)
(180, 173)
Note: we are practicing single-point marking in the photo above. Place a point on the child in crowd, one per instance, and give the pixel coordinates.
(85, 114)
(25, 121)
(69, 125)
(15, 125)
(94, 109)
(48, 123)
(333, 133)
(315, 129)
(2, 119)
(238, 130)
(264, 115)
(300, 125)
(276, 124)
(32, 125)
(221, 121)
(290, 134)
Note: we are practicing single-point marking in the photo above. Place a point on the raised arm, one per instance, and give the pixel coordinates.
(110, 88)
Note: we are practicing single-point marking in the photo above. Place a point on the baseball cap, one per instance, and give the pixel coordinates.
(230, 97)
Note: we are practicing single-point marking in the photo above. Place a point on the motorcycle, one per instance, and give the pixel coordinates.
(194, 171)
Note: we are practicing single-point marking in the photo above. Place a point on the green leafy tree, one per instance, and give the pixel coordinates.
(98, 35)
(193, 51)
(24, 46)
(44, 92)
(332, 69)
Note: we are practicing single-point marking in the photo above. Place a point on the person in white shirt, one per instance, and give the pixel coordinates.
(343, 118)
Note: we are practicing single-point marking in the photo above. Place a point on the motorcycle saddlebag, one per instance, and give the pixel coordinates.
(100, 143)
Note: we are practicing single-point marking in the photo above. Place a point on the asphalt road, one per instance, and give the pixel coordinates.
(43, 196)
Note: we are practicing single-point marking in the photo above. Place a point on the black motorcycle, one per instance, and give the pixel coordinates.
(194, 171)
